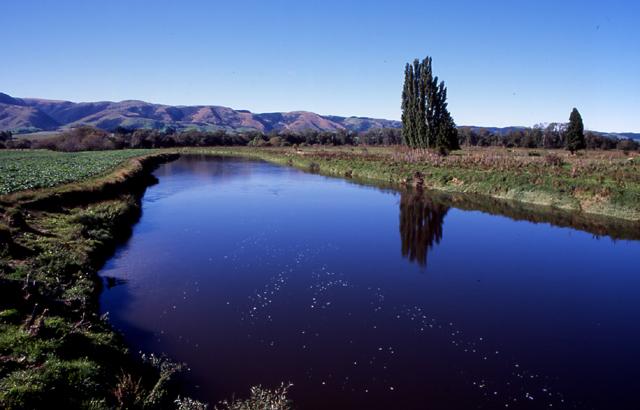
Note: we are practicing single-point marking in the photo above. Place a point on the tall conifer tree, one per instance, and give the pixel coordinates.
(426, 121)
(575, 132)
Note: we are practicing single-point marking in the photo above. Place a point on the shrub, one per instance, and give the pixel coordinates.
(627, 145)
(277, 142)
(553, 160)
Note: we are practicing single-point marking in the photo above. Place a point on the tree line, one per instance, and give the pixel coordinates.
(550, 136)
(87, 138)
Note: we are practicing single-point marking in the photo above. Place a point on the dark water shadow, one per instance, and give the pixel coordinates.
(421, 220)
(422, 215)
(597, 225)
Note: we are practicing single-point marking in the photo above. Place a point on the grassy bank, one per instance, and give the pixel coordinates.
(604, 183)
(54, 348)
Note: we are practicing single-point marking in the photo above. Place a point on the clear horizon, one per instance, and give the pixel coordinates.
(504, 64)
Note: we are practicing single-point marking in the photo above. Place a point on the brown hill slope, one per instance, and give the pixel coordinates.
(20, 117)
(40, 114)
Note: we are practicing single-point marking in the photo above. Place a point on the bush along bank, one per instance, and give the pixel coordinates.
(55, 349)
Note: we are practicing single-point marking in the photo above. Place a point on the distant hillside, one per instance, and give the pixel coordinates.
(16, 115)
(630, 135)
(26, 115)
(33, 114)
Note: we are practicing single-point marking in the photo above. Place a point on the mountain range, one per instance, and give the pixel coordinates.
(23, 115)
(35, 114)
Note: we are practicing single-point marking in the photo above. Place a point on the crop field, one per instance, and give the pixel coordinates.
(21, 170)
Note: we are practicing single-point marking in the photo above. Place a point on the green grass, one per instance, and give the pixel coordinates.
(27, 170)
(55, 350)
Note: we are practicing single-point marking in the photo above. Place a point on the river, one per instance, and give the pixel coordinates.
(363, 297)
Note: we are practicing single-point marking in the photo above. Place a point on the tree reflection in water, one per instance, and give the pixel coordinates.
(421, 221)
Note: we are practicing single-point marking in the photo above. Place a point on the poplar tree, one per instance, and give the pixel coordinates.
(423, 70)
(426, 121)
(408, 107)
(575, 132)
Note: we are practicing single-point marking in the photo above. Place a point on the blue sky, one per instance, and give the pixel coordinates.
(504, 62)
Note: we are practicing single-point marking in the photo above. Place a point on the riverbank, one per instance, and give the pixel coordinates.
(600, 183)
(54, 347)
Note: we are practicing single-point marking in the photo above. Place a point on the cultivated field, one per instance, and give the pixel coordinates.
(32, 169)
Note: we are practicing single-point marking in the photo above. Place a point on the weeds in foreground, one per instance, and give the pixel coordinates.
(553, 160)
(261, 399)
(129, 392)
(186, 403)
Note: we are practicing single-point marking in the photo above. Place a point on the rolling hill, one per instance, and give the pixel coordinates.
(34, 114)
(28, 115)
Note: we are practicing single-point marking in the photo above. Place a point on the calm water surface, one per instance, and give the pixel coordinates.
(362, 298)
